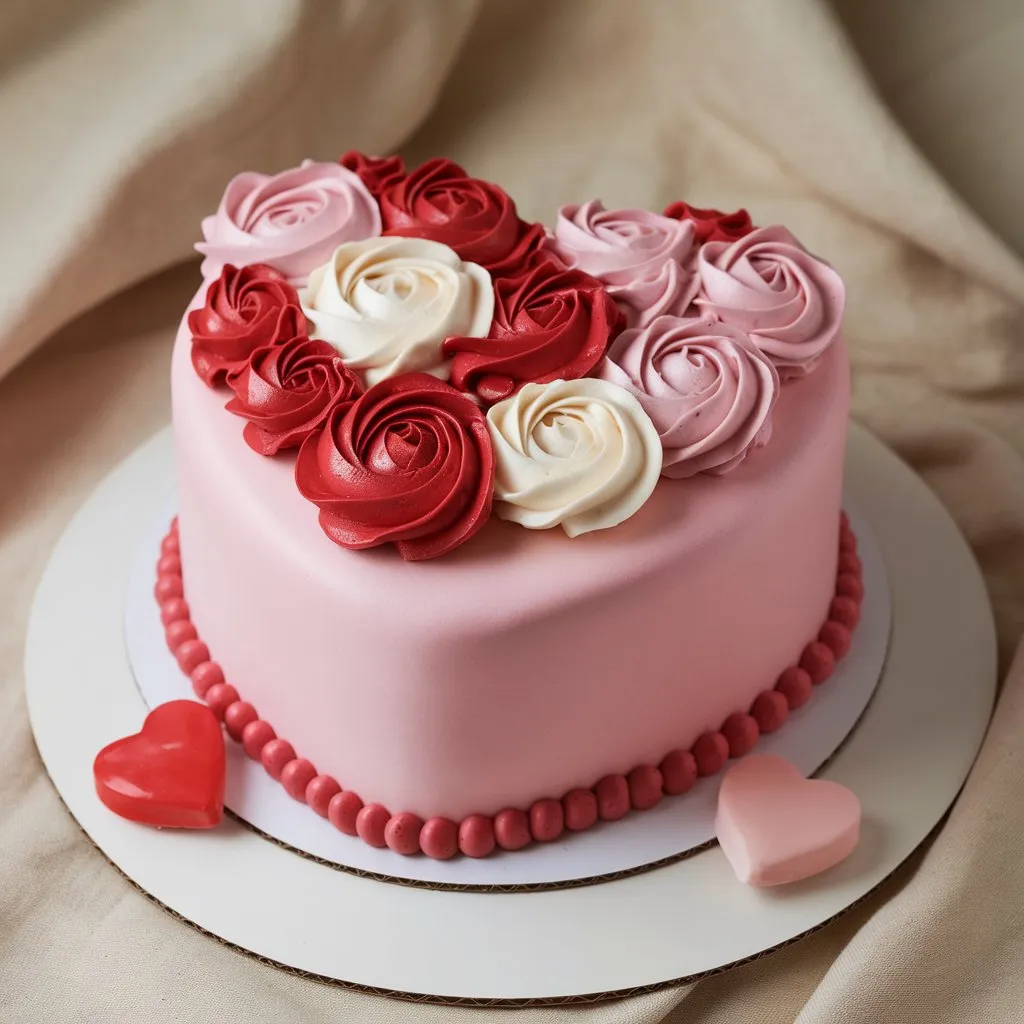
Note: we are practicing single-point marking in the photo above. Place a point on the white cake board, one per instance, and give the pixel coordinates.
(667, 831)
(906, 760)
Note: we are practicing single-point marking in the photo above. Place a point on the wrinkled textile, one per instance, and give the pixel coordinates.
(885, 135)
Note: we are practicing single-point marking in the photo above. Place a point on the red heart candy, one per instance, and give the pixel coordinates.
(169, 774)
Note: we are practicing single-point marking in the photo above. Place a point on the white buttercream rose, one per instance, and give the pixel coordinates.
(387, 304)
(580, 454)
(645, 260)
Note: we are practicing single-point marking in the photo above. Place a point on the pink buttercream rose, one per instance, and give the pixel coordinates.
(706, 387)
(292, 221)
(768, 285)
(645, 260)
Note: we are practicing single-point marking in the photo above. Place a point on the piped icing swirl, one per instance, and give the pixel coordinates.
(291, 221)
(644, 259)
(407, 463)
(768, 285)
(707, 388)
(580, 454)
(549, 324)
(387, 304)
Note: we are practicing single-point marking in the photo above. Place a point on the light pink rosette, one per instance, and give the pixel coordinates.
(769, 285)
(645, 260)
(706, 387)
(292, 221)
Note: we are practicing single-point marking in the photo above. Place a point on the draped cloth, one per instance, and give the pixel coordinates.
(882, 134)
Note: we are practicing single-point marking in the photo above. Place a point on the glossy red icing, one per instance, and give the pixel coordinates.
(550, 323)
(376, 172)
(712, 225)
(169, 774)
(246, 308)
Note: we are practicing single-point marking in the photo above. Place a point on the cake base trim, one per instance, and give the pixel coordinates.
(547, 819)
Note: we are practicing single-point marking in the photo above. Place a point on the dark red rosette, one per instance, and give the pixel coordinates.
(408, 463)
(376, 172)
(550, 323)
(286, 391)
(712, 225)
(246, 308)
(532, 248)
(440, 202)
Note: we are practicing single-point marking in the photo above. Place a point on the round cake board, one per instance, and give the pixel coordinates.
(663, 833)
(906, 760)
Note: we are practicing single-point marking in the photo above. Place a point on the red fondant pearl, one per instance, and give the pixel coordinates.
(169, 565)
(770, 710)
(818, 661)
(580, 809)
(512, 829)
(849, 562)
(174, 610)
(847, 540)
(741, 732)
(220, 697)
(402, 833)
(439, 838)
(320, 790)
(191, 654)
(844, 521)
(848, 585)
(678, 771)
(178, 633)
(343, 810)
(370, 824)
(275, 755)
(237, 716)
(711, 751)
(836, 637)
(612, 794)
(206, 675)
(845, 610)
(168, 587)
(547, 820)
(169, 545)
(296, 776)
(476, 836)
(255, 736)
(796, 686)
(644, 787)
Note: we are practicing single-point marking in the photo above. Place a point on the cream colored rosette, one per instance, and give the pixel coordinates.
(580, 454)
(387, 304)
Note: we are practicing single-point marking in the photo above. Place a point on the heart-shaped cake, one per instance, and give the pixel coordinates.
(170, 773)
(775, 826)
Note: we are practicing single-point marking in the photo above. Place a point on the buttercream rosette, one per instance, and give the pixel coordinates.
(768, 285)
(580, 454)
(707, 388)
(291, 221)
(644, 259)
(387, 304)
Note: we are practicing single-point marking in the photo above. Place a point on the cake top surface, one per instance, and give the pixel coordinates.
(426, 359)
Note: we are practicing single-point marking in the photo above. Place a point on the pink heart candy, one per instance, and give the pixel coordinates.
(775, 826)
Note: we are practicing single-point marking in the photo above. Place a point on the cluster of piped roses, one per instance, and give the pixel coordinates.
(431, 355)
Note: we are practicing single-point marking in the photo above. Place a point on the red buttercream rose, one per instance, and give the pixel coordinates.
(408, 463)
(376, 172)
(286, 391)
(550, 323)
(712, 225)
(246, 308)
(439, 201)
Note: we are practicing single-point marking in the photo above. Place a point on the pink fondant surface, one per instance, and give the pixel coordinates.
(524, 664)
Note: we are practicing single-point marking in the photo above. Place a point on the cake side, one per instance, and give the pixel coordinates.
(524, 663)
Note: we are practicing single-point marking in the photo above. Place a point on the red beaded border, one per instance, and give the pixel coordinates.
(609, 799)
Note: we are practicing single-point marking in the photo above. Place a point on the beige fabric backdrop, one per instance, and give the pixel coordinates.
(120, 123)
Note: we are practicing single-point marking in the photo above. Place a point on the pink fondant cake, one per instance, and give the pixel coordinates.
(488, 530)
